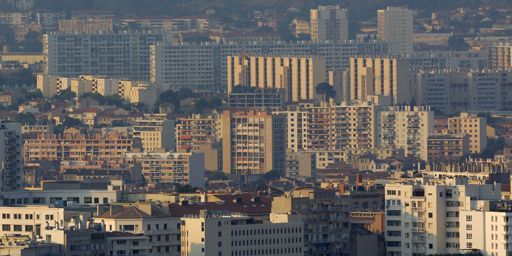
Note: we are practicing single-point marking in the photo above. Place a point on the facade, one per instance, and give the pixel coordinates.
(251, 97)
(30, 220)
(137, 92)
(204, 67)
(297, 76)
(329, 23)
(196, 130)
(453, 91)
(425, 218)
(11, 156)
(161, 230)
(499, 55)
(155, 132)
(75, 146)
(116, 55)
(395, 25)
(439, 60)
(472, 125)
(253, 143)
(300, 165)
(324, 216)
(380, 76)
(168, 24)
(169, 167)
(233, 234)
(405, 128)
(85, 26)
(447, 147)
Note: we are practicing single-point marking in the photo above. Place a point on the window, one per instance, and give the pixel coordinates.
(430, 215)
(17, 228)
(469, 236)
(469, 227)
(96, 200)
(6, 227)
(469, 245)
(29, 228)
(148, 227)
(88, 200)
(469, 218)
(430, 246)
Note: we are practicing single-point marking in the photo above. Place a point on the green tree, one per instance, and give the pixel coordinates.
(65, 95)
(26, 118)
(457, 43)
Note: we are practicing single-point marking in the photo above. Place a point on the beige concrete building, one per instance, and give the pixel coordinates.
(395, 25)
(75, 146)
(329, 23)
(425, 218)
(297, 75)
(447, 147)
(499, 55)
(30, 220)
(253, 143)
(161, 230)
(85, 26)
(155, 132)
(170, 168)
(472, 125)
(380, 76)
(405, 128)
(235, 234)
(137, 92)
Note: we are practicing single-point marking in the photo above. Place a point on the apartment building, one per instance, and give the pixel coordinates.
(155, 132)
(132, 91)
(138, 92)
(169, 168)
(115, 54)
(424, 218)
(11, 156)
(161, 229)
(298, 76)
(329, 23)
(86, 26)
(196, 130)
(472, 125)
(300, 165)
(30, 220)
(439, 60)
(211, 233)
(395, 25)
(252, 97)
(324, 217)
(75, 146)
(64, 192)
(204, 67)
(253, 143)
(328, 126)
(407, 128)
(168, 24)
(447, 147)
(453, 91)
(499, 55)
(380, 76)
(486, 228)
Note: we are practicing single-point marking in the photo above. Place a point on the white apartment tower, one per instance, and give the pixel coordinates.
(329, 23)
(422, 218)
(395, 25)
